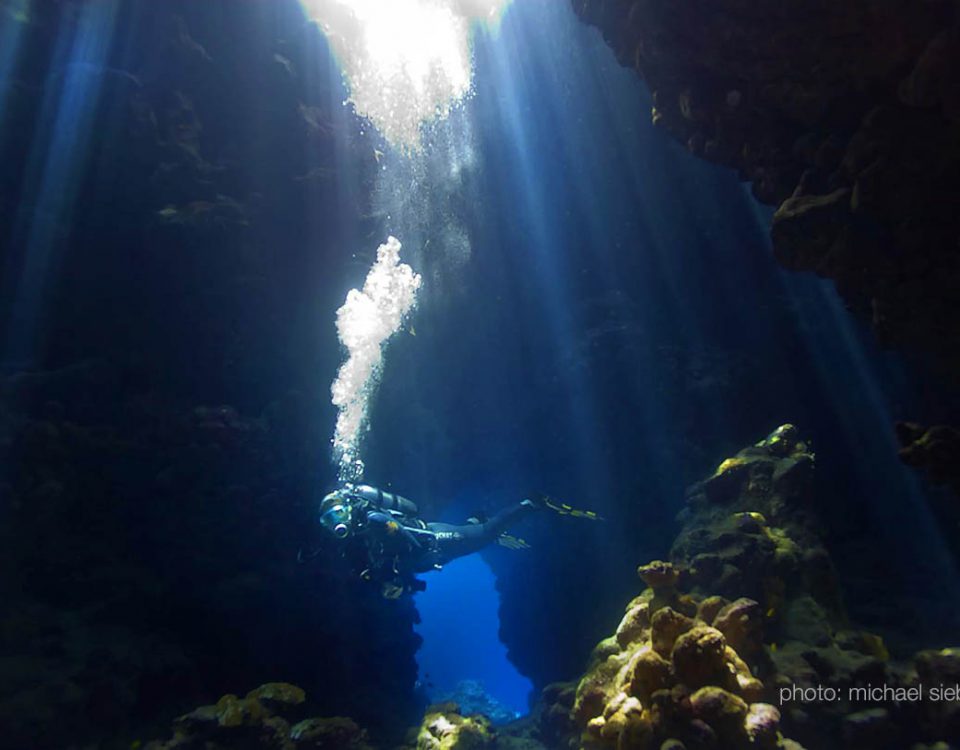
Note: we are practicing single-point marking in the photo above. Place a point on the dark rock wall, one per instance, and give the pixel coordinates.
(845, 115)
(163, 413)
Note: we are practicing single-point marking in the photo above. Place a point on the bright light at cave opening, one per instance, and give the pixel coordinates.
(406, 62)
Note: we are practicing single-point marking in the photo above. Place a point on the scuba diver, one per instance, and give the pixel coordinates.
(395, 544)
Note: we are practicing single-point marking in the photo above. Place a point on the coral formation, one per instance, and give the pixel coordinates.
(676, 679)
(444, 728)
(733, 635)
(472, 698)
(266, 719)
(448, 726)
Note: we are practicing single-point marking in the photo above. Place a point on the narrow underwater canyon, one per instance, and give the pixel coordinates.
(614, 315)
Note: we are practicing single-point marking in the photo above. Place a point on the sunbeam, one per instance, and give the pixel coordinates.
(479, 373)
(407, 62)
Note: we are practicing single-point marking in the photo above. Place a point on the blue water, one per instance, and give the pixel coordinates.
(459, 626)
(601, 320)
(621, 327)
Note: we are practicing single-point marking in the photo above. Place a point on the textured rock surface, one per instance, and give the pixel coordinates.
(444, 728)
(268, 718)
(160, 462)
(686, 669)
(690, 687)
(845, 115)
(745, 614)
(935, 451)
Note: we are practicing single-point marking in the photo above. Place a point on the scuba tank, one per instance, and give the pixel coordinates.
(383, 500)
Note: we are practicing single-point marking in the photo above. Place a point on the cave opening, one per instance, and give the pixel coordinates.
(462, 657)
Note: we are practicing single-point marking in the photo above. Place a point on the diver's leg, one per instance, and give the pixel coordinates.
(456, 541)
(506, 518)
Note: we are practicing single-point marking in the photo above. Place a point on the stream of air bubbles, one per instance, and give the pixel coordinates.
(406, 64)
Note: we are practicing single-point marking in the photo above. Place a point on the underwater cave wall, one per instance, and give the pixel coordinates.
(845, 115)
(165, 426)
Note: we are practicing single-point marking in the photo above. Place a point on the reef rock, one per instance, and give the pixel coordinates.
(160, 462)
(842, 114)
(555, 725)
(679, 683)
(936, 452)
(935, 449)
(472, 698)
(750, 532)
(261, 721)
(444, 728)
(743, 668)
(940, 669)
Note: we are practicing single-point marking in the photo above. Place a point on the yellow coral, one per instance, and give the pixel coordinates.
(633, 694)
(730, 463)
(445, 729)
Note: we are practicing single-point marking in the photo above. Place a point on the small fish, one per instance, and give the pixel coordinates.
(377, 154)
(412, 331)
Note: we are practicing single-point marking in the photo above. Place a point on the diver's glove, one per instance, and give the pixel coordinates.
(392, 526)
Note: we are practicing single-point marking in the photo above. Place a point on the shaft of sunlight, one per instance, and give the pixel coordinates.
(12, 29)
(406, 62)
(55, 165)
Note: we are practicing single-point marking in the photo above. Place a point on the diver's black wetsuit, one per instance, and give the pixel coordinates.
(399, 544)
(436, 544)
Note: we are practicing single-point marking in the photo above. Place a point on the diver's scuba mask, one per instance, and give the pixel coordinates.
(336, 515)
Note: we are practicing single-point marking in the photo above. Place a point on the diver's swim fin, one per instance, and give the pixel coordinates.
(512, 542)
(568, 510)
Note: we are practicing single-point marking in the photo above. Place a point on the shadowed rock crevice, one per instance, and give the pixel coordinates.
(160, 458)
(844, 115)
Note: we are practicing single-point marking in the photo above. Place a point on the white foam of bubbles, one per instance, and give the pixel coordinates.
(406, 62)
(365, 322)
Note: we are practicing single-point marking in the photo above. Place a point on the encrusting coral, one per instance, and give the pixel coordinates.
(670, 676)
(745, 617)
(444, 728)
(262, 720)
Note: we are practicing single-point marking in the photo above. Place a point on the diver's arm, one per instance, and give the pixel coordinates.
(389, 525)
